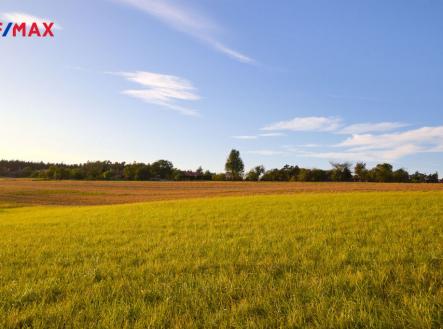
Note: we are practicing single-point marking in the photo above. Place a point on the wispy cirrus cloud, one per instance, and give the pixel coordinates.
(246, 137)
(388, 154)
(188, 21)
(254, 137)
(426, 137)
(367, 141)
(361, 128)
(331, 124)
(162, 89)
(384, 147)
(271, 135)
(322, 124)
(20, 17)
(234, 54)
(310, 145)
(267, 152)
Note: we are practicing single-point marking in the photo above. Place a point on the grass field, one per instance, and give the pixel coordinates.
(40, 192)
(306, 260)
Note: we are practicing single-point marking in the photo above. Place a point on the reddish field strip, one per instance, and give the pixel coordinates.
(31, 192)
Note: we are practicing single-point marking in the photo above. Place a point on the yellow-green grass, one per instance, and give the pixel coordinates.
(343, 260)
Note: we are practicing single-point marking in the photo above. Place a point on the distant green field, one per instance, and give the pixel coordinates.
(343, 260)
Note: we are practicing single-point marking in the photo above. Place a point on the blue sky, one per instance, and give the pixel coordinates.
(297, 82)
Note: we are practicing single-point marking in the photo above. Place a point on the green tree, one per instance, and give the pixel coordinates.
(129, 172)
(219, 177)
(255, 174)
(305, 175)
(383, 173)
(234, 166)
(360, 172)
(162, 169)
(207, 175)
(77, 173)
(199, 173)
(432, 178)
(319, 175)
(143, 172)
(341, 172)
(401, 176)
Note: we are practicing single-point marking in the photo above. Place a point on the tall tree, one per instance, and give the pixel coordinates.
(162, 169)
(360, 171)
(400, 176)
(383, 173)
(255, 174)
(341, 172)
(234, 165)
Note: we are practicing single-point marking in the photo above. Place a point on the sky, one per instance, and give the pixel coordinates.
(284, 82)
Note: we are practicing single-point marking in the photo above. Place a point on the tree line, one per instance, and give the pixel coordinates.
(234, 170)
(101, 170)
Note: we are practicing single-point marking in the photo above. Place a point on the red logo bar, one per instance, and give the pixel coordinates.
(28, 30)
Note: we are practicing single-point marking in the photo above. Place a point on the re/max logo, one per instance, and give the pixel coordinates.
(27, 30)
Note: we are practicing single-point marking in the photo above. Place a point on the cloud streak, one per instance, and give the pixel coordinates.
(331, 124)
(367, 141)
(254, 137)
(162, 89)
(271, 135)
(190, 22)
(321, 124)
(361, 128)
(388, 154)
(425, 136)
(384, 147)
(267, 152)
(245, 137)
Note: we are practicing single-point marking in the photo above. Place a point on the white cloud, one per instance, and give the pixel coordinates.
(246, 137)
(271, 134)
(162, 89)
(188, 21)
(372, 148)
(266, 152)
(386, 147)
(361, 128)
(373, 155)
(332, 124)
(254, 137)
(369, 141)
(320, 124)
(426, 136)
(231, 52)
(310, 145)
(17, 17)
